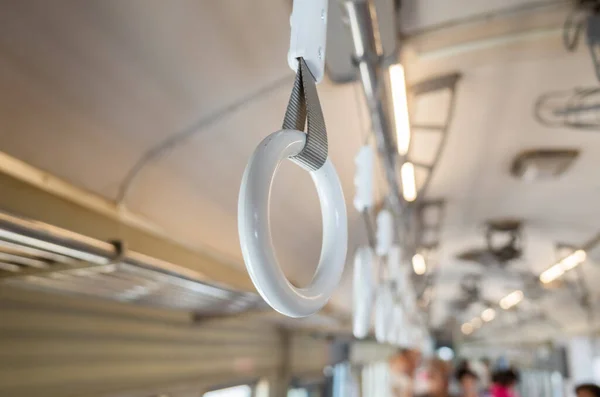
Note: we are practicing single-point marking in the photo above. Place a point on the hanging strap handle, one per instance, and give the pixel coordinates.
(304, 107)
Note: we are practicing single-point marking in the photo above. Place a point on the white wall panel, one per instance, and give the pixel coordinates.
(65, 346)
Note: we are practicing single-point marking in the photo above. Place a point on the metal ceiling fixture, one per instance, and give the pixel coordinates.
(578, 108)
(584, 17)
(503, 245)
(534, 165)
(362, 21)
(570, 259)
(372, 67)
(437, 85)
(508, 232)
(470, 293)
(39, 256)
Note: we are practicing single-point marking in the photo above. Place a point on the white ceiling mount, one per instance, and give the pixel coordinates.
(308, 36)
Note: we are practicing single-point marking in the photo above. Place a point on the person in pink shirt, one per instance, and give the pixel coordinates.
(504, 383)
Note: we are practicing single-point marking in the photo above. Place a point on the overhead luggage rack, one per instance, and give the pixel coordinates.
(43, 257)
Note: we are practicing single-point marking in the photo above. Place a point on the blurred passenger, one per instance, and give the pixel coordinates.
(402, 372)
(504, 382)
(587, 390)
(454, 388)
(482, 370)
(485, 378)
(468, 382)
(437, 379)
(462, 365)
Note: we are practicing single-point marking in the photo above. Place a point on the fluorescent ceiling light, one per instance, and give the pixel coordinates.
(235, 391)
(419, 265)
(511, 299)
(409, 186)
(476, 322)
(568, 263)
(552, 274)
(400, 102)
(573, 260)
(466, 328)
(488, 315)
(445, 353)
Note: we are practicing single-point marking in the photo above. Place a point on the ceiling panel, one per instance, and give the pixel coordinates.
(118, 77)
(493, 123)
(417, 15)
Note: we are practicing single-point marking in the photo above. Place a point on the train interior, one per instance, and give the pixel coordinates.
(139, 256)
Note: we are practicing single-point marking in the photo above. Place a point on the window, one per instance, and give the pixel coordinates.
(262, 388)
(236, 391)
(298, 393)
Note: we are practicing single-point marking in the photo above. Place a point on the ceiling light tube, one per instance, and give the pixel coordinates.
(511, 299)
(419, 265)
(552, 274)
(466, 328)
(400, 102)
(488, 314)
(409, 186)
(574, 259)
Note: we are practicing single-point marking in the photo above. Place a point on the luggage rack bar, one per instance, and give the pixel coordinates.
(39, 256)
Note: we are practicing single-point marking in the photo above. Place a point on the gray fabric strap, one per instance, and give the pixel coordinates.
(304, 105)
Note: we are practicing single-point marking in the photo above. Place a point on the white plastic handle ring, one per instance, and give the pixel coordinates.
(384, 306)
(397, 325)
(255, 235)
(362, 298)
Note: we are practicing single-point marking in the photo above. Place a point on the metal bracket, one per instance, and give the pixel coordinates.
(593, 41)
(120, 251)
(585, 16)
(436, 84)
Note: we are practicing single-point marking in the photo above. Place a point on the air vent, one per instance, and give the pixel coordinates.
(39, 256)
(542, 164)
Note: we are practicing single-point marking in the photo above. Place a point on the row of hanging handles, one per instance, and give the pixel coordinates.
(378, 299)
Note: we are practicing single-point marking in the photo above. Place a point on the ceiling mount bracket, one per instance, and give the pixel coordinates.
(309, 36)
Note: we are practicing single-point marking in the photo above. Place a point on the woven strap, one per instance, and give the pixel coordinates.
(304, 106)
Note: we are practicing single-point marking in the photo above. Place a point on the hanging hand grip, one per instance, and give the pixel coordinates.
(384, 306)
(255, 235)
(362, 292)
